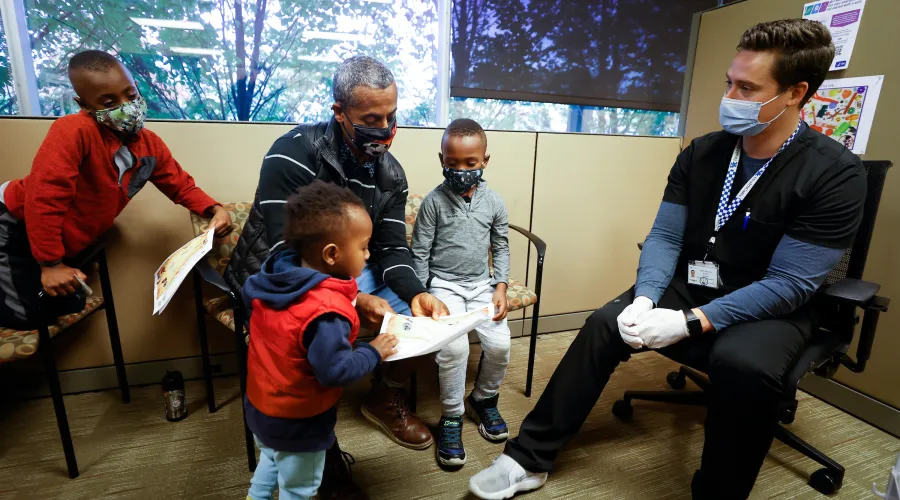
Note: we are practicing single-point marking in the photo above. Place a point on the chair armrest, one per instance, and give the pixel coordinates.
(859, 293)
(538, 243)
(856, 292)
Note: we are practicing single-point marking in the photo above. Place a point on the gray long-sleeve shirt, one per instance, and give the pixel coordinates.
(451, 237)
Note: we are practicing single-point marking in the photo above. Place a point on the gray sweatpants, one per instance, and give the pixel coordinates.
(452, 360)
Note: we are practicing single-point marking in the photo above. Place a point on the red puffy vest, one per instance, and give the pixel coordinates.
(280, 380)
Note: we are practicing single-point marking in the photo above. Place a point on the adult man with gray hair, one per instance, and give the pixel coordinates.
(350, 150)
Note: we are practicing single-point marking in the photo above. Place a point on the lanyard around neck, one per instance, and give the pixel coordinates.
(726, 209)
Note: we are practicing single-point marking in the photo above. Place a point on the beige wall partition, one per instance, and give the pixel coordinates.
(224, 158)
(873, 54)
(595, 198)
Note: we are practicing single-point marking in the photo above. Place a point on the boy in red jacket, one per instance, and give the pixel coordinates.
(90, 165)
(303, 324)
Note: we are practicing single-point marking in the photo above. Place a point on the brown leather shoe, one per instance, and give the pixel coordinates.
(337, 480)
(387, 408)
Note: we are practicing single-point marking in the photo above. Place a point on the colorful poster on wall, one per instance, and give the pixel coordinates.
(842, 19)
(844, 109)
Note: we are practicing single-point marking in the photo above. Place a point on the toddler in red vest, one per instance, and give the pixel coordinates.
(303, 324)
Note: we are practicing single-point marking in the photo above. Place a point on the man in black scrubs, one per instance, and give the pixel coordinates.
(752, 220)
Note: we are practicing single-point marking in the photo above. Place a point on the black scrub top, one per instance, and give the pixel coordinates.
(814, 191)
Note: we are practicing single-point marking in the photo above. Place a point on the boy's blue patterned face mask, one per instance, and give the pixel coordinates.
(461, 181)
(127, 118)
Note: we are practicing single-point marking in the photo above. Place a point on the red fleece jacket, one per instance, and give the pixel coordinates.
(74, 193)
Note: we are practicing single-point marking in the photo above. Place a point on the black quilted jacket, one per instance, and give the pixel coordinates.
(311, 151)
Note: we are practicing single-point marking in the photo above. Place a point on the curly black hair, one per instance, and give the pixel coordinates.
(315, 211)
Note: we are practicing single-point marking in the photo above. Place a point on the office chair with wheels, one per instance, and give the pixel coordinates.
(837, 301)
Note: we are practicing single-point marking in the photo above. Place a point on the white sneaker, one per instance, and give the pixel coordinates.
(503, 479)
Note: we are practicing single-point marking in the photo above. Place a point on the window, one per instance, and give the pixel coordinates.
(247, 60)
(613, 53)
(551, 117)
(610, 66)
(7, 90)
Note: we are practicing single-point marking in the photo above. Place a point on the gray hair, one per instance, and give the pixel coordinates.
(359, 71)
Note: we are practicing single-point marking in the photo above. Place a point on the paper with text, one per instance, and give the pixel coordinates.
(420, 336)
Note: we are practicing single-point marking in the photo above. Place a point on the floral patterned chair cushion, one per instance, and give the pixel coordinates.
(16, 344)
(518, 295)
(220, 307)
(221, 251)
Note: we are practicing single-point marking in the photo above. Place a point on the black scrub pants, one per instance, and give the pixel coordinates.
(746, 364)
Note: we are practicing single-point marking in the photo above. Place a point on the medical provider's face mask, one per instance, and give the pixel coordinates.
(461, 181)
(742, 117)
(127, 118)
(373, 141)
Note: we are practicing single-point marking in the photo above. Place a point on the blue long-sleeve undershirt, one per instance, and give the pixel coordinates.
(796, 271)
(334, 361)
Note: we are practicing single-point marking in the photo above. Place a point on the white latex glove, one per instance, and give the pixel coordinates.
(659, 328)
(629, 317)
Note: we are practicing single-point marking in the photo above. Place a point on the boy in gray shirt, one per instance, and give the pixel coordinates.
(458, 223)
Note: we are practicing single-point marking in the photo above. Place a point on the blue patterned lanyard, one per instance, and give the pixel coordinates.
(726, 210)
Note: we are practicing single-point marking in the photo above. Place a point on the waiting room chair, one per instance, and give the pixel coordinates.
(836, 302)
(17, 344)
(518, 295)
(225, 306)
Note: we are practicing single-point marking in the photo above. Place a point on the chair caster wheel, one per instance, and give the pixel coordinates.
(676, 380)
(622, 409)
(825, 481)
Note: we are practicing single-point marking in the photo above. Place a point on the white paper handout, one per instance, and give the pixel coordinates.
(420, 336)
(841, 17)
(176, 267)
(844, 109)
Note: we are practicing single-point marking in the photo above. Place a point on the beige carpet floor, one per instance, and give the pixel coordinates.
(131, 452)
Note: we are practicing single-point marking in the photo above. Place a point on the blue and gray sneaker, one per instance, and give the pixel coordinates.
(490, 424)
(450, 450)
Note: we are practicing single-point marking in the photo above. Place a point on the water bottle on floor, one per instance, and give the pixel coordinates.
(173, 393)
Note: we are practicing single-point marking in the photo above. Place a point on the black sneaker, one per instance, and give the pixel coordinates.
(450, 450)
(490, 424)
(337, 480)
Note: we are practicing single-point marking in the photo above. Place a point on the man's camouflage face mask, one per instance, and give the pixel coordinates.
(127, 118)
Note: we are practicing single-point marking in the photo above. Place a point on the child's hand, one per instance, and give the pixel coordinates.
(221, 221)
(385, 344)
(501, 305)
(60, 280)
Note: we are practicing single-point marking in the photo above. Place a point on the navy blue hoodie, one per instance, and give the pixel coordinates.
(280, 283)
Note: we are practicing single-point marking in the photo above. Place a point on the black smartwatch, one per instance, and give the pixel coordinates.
(694, 326)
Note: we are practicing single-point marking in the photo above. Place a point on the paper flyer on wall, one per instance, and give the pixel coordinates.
(420, 336)
(176, 267)
(844, 110)
(842, 18)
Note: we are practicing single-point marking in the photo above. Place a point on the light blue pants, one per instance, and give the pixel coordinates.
(370, 282)
(297, 475)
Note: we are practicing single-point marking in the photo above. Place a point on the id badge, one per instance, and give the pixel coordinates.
(703, 273)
